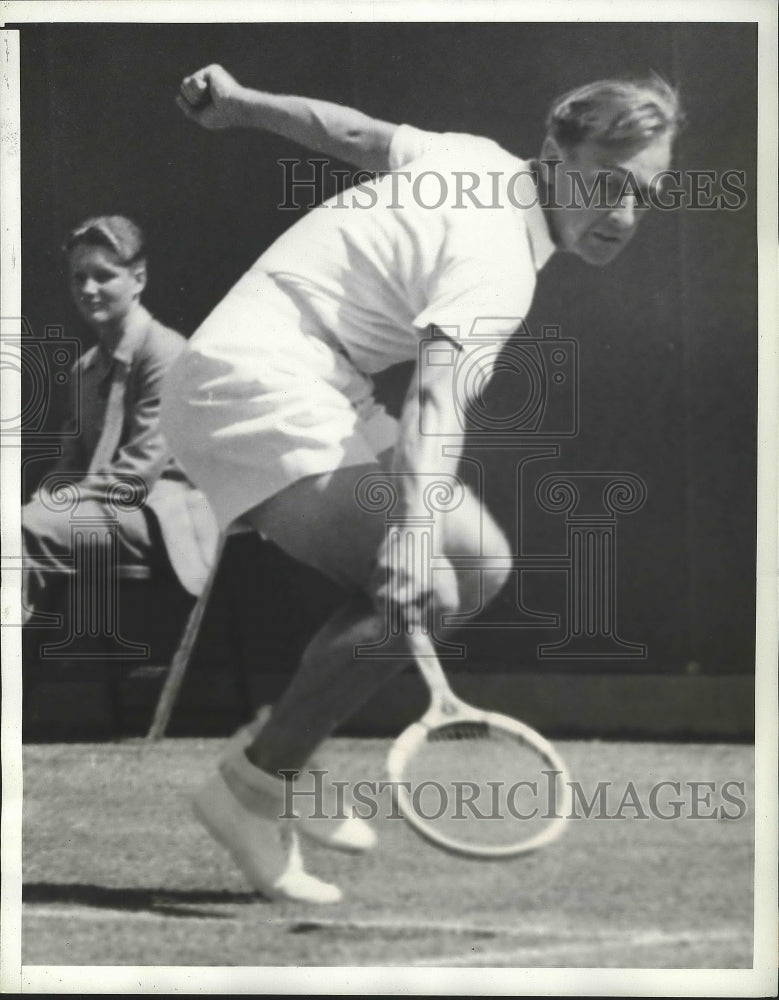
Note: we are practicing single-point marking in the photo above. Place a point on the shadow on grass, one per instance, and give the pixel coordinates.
(164, 902)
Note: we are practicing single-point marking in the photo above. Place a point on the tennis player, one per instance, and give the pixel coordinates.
(271, 409)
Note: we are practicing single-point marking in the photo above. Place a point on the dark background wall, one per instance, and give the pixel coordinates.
(667, 335)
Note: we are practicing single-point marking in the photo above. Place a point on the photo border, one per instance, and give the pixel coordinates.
(761, 980)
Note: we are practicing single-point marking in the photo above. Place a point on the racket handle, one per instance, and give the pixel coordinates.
(420, 644)
(423, 650)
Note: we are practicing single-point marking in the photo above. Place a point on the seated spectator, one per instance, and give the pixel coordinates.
(114, 445)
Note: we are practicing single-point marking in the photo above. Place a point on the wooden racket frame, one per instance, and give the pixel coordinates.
(446, 708)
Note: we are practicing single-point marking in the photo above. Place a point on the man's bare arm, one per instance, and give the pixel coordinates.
(417, 459)
(214, 99)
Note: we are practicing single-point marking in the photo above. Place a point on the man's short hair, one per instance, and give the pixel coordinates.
(116, 232)
(627, 113)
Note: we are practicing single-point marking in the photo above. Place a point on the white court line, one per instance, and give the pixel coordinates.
(560, 941)
(624, 939)
(604, 936)
(315, 922)
(445, 926)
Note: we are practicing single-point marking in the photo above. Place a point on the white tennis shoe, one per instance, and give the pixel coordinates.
(265, 848)
(338, 828)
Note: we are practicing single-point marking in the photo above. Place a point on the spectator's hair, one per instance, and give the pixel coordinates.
(116, 232)
(629, 113)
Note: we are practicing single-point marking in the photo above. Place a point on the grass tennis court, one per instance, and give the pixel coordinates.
(117, 873)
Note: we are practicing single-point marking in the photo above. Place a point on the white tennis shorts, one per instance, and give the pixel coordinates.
(261, 397)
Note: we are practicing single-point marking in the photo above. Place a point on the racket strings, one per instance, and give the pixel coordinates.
(460, 731)
(480, 786)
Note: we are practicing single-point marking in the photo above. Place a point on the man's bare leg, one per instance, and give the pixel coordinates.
(330, 684)
(319, 522)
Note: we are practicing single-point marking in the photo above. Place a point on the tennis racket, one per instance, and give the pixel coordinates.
(473, 782)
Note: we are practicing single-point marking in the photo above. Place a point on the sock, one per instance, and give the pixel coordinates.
(258, 791)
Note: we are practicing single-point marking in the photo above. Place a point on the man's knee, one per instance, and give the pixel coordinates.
(47, 528)
(53, 532)
(480, 586)
(472, 531)
(486, 544)
(493, 580)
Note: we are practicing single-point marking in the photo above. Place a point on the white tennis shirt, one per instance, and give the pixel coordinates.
(275, 384)
(454, 236)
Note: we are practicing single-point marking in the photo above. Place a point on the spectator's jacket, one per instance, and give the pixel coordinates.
(147, 350)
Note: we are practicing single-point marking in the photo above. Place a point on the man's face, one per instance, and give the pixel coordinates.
(599, 225)
(104, 289)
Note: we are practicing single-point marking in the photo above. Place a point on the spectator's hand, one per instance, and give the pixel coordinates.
(403, 585)
(212, 98)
